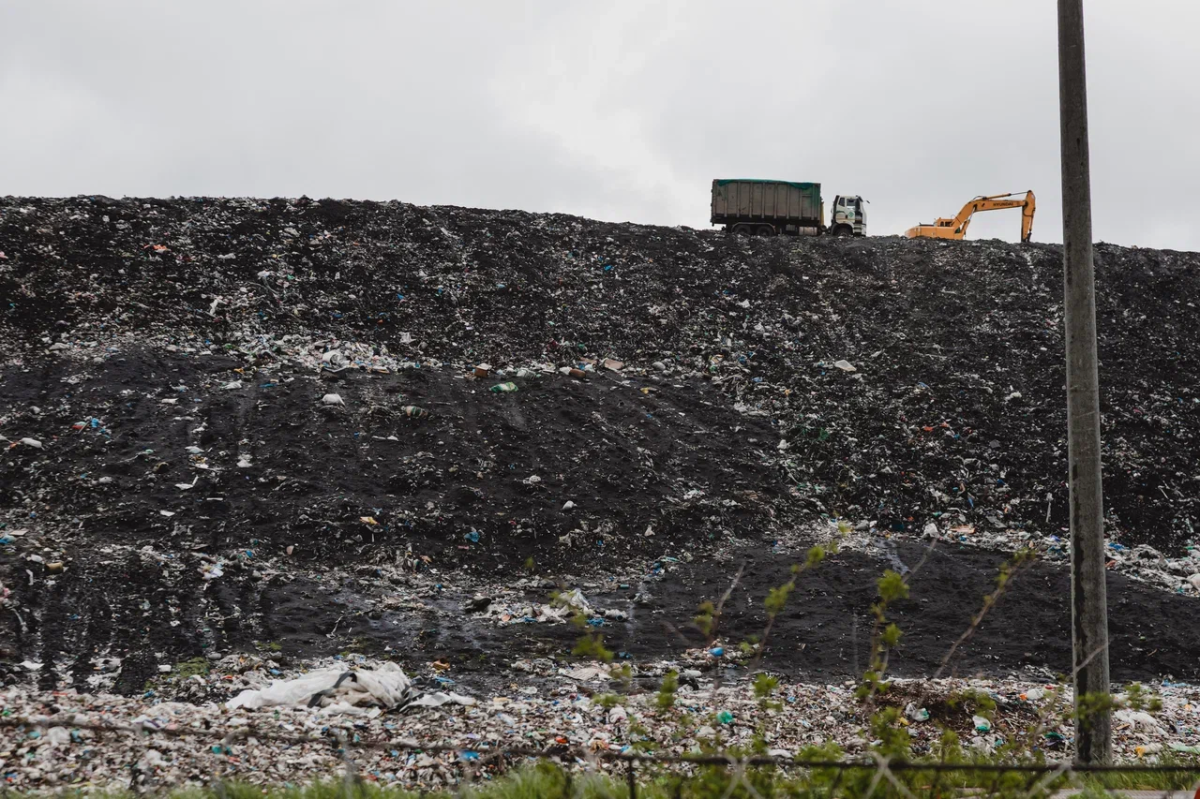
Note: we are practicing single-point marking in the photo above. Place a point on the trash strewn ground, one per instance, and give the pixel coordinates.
(564, 711)
(236, 427)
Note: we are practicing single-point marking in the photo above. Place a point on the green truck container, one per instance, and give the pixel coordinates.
(770, 207)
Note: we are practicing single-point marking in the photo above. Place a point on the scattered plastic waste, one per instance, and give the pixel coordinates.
(916, 713)
(211, 571)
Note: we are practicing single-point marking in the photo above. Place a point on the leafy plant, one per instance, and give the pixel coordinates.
(666, 692)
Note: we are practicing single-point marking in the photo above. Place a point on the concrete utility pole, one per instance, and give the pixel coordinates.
(1089, 603)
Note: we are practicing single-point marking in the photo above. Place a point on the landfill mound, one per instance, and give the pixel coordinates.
(201, 396)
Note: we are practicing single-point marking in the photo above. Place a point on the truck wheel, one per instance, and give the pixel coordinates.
(842, 230)
(766, 230)
(742, 230)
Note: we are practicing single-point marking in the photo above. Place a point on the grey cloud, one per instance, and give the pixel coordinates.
(622, 110)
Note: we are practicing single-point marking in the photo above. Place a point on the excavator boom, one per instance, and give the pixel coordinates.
(956, 228)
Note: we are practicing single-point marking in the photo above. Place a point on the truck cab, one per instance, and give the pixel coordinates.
(849, 216)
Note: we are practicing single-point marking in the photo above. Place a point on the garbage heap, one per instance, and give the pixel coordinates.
(192, 383)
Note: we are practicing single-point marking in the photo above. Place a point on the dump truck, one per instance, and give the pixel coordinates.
(771, 207)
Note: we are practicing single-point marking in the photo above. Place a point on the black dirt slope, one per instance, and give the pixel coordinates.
(957, 407)
(764, 385)
(480, 483)
(825, 631)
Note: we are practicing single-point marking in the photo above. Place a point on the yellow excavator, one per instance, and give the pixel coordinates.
(956, 228)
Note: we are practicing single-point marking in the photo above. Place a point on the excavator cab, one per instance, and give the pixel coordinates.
(849, 216)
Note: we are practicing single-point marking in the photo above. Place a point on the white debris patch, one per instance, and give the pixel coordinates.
(346, 691)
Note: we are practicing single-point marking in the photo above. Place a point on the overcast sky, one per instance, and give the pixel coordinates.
(613, 110)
